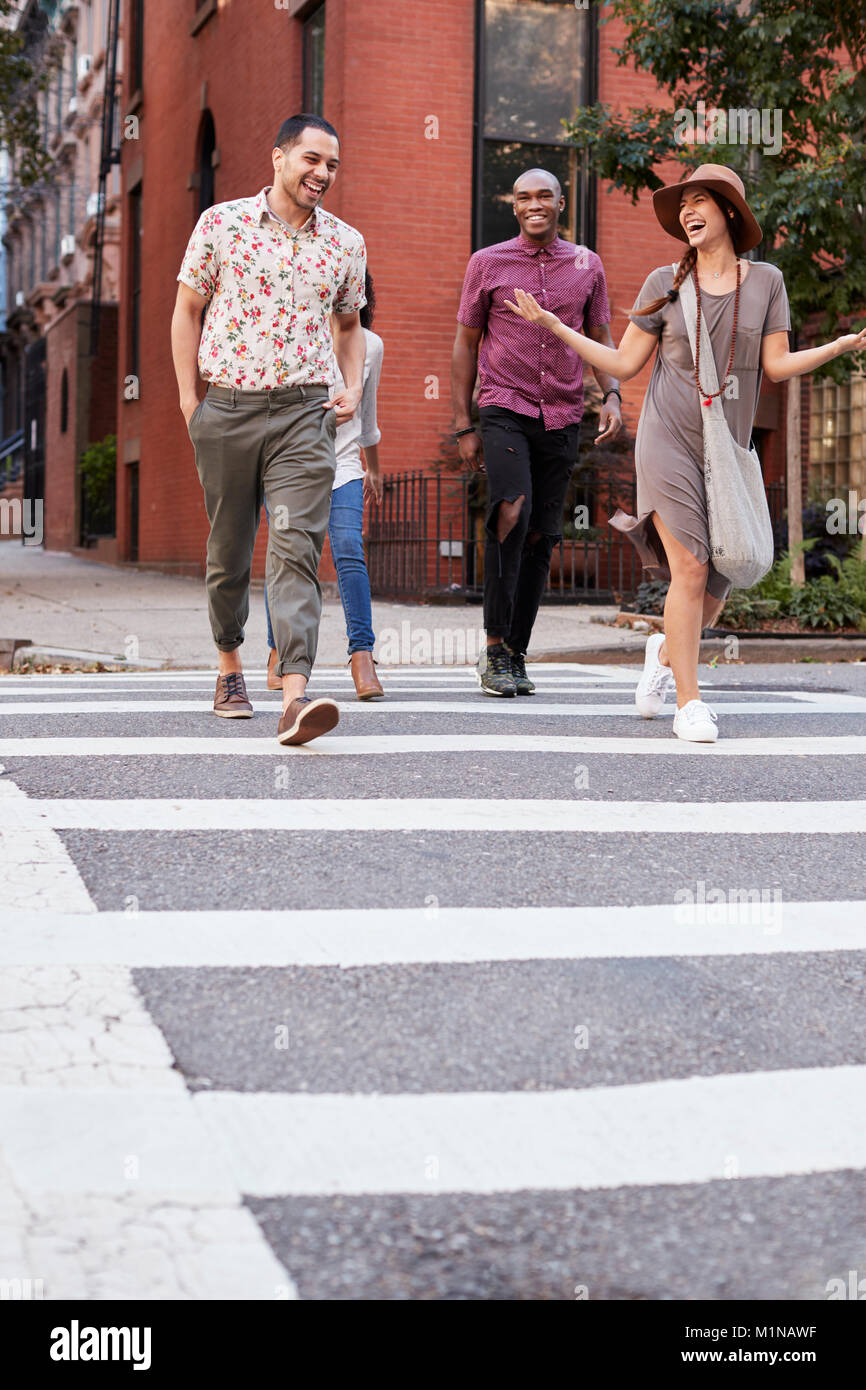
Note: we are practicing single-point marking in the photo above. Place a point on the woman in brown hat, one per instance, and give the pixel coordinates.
(745, 321)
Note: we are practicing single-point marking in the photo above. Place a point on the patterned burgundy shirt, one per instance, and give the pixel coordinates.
(521, 365)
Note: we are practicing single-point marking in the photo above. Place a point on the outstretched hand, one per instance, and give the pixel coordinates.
(852, 342)
(529, 308)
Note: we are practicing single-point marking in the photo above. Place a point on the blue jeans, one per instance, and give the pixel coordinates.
(345, 532)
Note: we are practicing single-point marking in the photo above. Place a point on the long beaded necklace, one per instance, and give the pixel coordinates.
(708, 399)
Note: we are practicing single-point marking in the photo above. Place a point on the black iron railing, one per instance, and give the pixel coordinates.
(777, 494)
(426, 538)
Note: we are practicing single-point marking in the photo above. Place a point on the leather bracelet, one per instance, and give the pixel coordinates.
(470, 429)
(612, 392)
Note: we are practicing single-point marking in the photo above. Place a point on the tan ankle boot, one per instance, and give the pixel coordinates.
(274, 681)
(364, 675)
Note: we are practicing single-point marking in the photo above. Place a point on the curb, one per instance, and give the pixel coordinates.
(73, 657)
(749, 651)
(8, 647)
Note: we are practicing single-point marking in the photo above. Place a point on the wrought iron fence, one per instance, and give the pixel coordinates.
(426, 537)
(777, 495)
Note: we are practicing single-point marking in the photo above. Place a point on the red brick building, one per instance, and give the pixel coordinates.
(438, 108)
(58, 382)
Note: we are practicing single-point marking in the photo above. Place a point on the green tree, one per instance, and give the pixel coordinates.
(804, 62)
(28, 59)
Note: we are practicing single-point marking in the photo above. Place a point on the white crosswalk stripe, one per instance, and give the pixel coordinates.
(431, 813)
(137, 1166)
(513, 709)
(349, 937)
(393, 745)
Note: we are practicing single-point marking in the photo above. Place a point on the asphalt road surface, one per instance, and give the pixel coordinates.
(472, 999)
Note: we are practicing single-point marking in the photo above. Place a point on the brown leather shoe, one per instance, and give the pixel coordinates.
(364, 675)
(274, 681)
(230, 698)
(306, 719)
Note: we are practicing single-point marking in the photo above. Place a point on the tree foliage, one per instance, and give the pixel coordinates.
(28, 60)
(805, 62)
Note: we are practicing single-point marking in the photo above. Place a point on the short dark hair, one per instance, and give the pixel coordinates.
(369, 309)
(291, 130)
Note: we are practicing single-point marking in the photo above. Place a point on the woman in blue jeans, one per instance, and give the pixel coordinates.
(352, 483)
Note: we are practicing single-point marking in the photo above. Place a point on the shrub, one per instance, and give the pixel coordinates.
(833, 600)
(825, 602)
(650, 596)
(98, 470)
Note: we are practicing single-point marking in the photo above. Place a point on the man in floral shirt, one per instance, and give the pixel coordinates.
(271, 270)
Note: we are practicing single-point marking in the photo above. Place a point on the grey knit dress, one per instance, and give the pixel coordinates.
(669, 450)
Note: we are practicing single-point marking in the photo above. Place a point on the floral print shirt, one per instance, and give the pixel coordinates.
(270, 291)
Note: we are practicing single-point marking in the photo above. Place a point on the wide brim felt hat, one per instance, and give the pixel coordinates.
(721, 179)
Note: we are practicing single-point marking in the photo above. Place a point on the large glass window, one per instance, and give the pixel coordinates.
(535, 69)
(314, 62)
(137, 74)
(837, 436)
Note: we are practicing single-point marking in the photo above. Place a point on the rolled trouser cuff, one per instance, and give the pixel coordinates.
(294, 668)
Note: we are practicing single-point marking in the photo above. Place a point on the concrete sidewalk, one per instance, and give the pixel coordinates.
(63, 603)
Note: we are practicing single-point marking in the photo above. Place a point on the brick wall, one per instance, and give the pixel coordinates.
(388, 69)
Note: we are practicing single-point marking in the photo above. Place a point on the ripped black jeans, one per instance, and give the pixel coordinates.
(522, 459)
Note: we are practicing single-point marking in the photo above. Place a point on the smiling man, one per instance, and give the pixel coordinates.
(270, 271)
(530, 403)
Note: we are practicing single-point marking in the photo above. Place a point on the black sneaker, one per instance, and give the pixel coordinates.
(494, 671)
(522, 684)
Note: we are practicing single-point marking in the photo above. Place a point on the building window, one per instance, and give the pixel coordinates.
(536, 65)
(207, 146)
(314, 62)
(57, 224)
(135, 220)
(837, 436)
(73, 70)
(137, 73)
(60, 71)
(64, 402)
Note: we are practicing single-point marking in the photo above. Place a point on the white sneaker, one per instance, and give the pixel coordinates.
(696, 723)
(655, 682)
